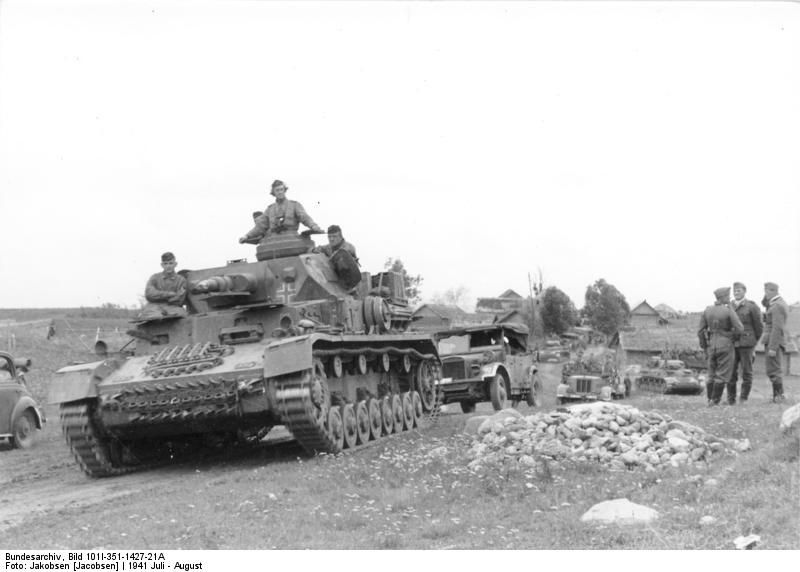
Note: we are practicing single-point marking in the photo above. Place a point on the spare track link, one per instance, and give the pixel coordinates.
(89, 449)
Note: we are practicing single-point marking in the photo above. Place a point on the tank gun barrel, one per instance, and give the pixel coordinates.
(226, 283)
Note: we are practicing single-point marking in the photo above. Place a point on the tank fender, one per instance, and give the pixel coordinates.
(28, 403)
(79, 381)
(288, 355)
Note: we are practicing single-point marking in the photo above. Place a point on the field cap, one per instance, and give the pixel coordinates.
(167, 257)
(334, 228)
(739, 285)
(722, 292)
(770, 285)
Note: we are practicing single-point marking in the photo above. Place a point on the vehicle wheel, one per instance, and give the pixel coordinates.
(416, 403)
(336, 428)
(497, 392)
(349, 424)
(387, 416)
(24, 430)
(467, 406)
(425, 384)
(375, 418)
(397, 413)
(362, 422)
(408, 411)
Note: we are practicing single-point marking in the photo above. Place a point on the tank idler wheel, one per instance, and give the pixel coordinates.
(336, 366)
(336, 429)
(386, 362)
(375, 418)
(397, 412)
(350, 425)
(408, 411)
(406, 363)
(386, 415)
(425, 384)
(416, 404)
(361, 364)
(362, 423)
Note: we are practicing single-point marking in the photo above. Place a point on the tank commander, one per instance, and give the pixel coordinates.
(281, 216)
(335, 242)
(719, 325)
(165, 291)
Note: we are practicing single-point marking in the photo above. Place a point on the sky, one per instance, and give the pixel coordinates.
(654, 145)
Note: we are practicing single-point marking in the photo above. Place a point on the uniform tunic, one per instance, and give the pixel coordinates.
(166, 289)
(775, 337)
(328, 250)
(280, 217)
(744, 344)
(718, 326)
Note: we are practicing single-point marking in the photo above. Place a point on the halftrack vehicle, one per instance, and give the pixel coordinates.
(294, 339)
(592, 376)
(487, 363)
(668, 376)
(20, 416)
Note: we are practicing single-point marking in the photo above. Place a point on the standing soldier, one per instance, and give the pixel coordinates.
(281, 216)
(775, 337)
(750, 315)
(718, 326)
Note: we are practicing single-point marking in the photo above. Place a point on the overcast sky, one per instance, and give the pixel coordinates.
(654, 145)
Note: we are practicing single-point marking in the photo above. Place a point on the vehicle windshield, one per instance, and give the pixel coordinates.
(454, 345)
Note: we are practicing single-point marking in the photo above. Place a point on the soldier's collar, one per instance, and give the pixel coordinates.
(771, 300)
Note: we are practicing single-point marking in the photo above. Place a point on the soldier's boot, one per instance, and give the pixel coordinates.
(717, 395)
(709, 390)
(732, 393)
(745, 392)
(777, 393)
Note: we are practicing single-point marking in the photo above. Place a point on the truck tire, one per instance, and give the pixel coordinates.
(498, 393)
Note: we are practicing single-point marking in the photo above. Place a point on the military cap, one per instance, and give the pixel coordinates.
(722, 292)
(167, 257)
(334, 228)
(277, 184)
(739, 285)
(770, 285)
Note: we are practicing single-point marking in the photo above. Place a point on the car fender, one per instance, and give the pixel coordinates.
(24, 403)
(489, 370)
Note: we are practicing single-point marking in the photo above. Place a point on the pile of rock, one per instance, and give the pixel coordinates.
(618, 436)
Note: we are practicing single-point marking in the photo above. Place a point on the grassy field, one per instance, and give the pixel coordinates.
(415, 491)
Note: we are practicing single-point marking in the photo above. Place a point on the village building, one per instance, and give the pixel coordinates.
(643, 314)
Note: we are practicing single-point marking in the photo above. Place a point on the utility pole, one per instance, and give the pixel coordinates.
(533, 310)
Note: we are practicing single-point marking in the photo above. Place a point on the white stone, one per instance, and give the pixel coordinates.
(619, 511)
(706, 520)
(677, 433)
(790, 420)
(742, 445)
(474, 424)
(678, 445)
(747, 542)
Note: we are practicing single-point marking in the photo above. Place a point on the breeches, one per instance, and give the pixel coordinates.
(774, 366)
(743, 358)
(720, 365)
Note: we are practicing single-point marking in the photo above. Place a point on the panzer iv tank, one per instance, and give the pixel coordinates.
(293, 339)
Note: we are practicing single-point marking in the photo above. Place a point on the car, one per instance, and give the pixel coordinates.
(20, 416)
(487, 363)
(669, 376)
(594, 376)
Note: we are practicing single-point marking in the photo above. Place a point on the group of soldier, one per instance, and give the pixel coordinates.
(165, 291)
(730, 330)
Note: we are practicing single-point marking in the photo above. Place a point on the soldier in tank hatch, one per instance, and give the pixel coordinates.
(335, 242)
(744, 344)
(283, 215)
(775, 338)
(165, 291)
(719, 324)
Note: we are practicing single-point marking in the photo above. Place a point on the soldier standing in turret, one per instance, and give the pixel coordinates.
(283, 215)
(718, 326)
(750, 315)
(775, 338)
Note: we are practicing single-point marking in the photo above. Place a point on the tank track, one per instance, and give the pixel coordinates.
(92, 451)
(651, 384)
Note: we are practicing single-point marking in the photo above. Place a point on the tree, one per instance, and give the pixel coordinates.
(413, 283)
(452, 296)
(606, 307)
(557, 311)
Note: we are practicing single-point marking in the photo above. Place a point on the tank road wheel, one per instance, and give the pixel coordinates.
(361, 364)
(497, 392)
(397, 413)
(467, 406)
(335, 429)
(387, 416)
(386, 363)
(336, 366)
(425, 384)
(24, 430)
(408, 411)
(375, 418)
(349, 424)
(362, 423)
(406, 363)
(320, 393)
(416, 404)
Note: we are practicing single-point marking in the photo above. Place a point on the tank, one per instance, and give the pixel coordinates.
(293, 339)
(663, 375)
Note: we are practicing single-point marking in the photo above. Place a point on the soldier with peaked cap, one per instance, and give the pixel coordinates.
(744, 345)
(775, 338)
(718, 326)
(283, 215)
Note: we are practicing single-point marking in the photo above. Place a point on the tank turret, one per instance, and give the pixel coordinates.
(295, 338)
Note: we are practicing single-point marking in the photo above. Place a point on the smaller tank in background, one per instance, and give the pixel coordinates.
(668, 376)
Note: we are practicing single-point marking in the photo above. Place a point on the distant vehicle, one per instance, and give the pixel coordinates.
(668, 376)
(487, 363)
(594, 376)
(553, 352)
(20, 416)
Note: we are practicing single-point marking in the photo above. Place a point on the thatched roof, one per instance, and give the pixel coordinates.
(443, 311)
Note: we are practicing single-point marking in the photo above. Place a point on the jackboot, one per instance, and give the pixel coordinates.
(716, 397)
(745, 393)
(777, 393)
